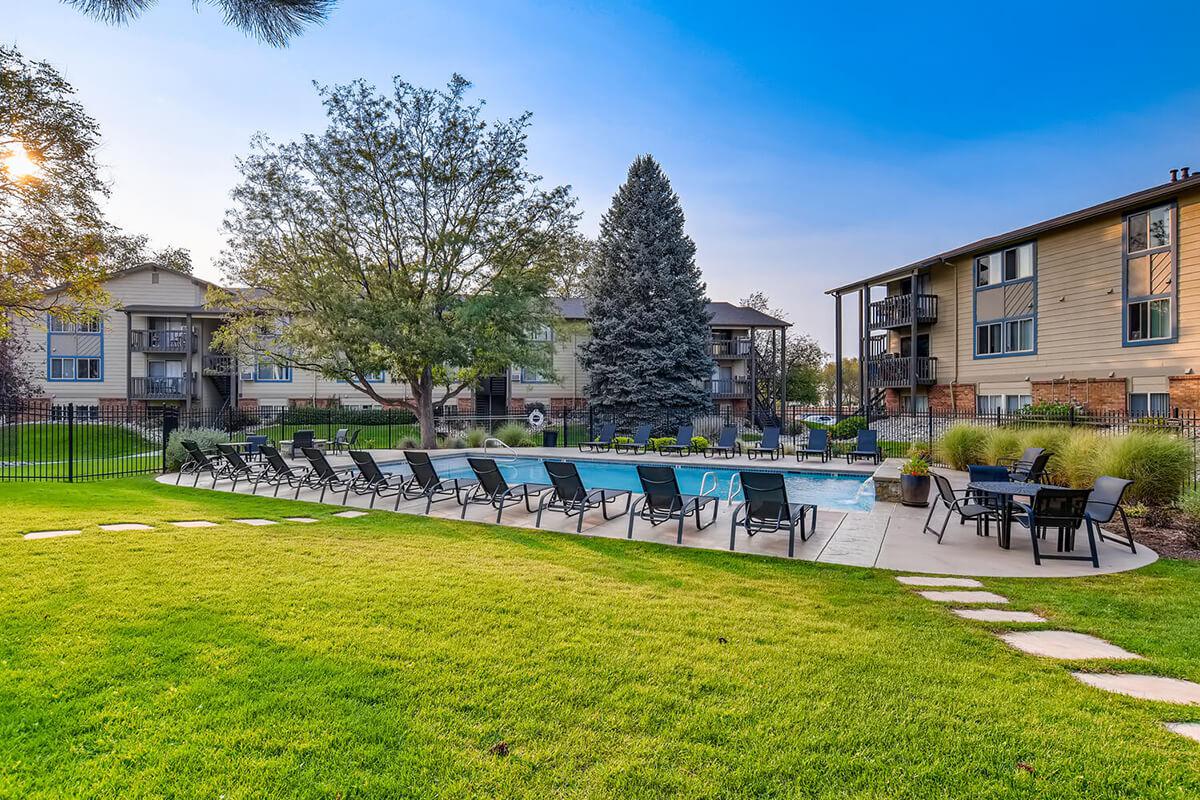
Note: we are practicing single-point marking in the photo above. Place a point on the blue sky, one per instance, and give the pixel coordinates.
(810, 146)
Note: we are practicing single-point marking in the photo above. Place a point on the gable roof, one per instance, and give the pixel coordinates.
(723, 314)
(1128, 202)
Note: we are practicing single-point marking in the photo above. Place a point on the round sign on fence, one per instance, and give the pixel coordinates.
(536, 418)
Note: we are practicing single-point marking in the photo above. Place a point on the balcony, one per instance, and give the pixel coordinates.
(160, 388)
(160, 341)
(729, 348)
(892, 372)
(895, 311)
(728, 388)
(220, 365)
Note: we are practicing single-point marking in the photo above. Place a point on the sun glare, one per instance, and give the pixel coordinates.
(17, 161)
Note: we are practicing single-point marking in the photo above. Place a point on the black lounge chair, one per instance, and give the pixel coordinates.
(237, 467)
(640, 443)
(277, 472)
(1064, 510)
(661, 501)
(866, 446)
(817, 445)
(324, 477)
(683, 442)
(727, 444)
(426, 483)
(767, 509)
(371, 479)
(1018, 468)
(493, 490)
(966, 506)
(198, 462)
(301, 440)
(572, 498)
(768, 446)
(603, 442)
(1035, 471)
(1104, 503)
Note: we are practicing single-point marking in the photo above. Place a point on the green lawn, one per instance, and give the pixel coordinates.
(44, 449)
(389, 655)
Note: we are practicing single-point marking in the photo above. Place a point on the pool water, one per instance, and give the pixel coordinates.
(834, 492)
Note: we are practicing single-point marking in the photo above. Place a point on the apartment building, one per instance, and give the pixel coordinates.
(1098, 307)
(154, 347)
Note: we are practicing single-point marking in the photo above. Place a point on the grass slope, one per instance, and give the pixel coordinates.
(43, 450)
(389, 655)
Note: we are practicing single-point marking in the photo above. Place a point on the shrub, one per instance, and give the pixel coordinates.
(1158, 464)
(512, 434)
(1002, 443)
(748, 437)
(475, 437)
(661, 441)
(1046, 410)
(207, 438)
(918, 467)
(962, 445)
(1079, 462)
(622, 440)
(699, 443)
(1189, 504)
(530, 440)
(848, 428)
(409, 443)
(1054, 439)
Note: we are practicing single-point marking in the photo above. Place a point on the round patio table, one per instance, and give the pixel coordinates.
(1007, 490)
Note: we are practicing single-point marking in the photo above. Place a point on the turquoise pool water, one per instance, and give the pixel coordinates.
(834, 492)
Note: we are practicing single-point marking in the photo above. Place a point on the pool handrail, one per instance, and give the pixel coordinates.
(737, 476)
(708, 474)
(492, 439)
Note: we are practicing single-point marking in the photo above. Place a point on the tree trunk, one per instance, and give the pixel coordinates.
(423, 400)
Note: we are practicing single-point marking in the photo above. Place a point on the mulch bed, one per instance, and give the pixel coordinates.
(1164, 531)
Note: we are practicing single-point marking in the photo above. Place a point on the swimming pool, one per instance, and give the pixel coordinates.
(826, 490)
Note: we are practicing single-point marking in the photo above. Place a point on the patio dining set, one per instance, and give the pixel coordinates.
(1011, 492)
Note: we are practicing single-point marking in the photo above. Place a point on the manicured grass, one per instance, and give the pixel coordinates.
(389, 655)
(44, 450)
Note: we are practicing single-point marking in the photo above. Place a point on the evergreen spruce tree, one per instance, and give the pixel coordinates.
(649, 352)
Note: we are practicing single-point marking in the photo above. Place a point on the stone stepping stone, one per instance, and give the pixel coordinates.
(194, 523)
(256, 522)
(127, 526)
(964, 597)
(350, 514)
(50, 534)
(1144, 687)
(997, 615)
(1064, 644)
(300, 519)
(1189, 729)
(919, 580)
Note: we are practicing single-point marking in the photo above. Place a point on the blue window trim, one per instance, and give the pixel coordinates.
(286, 371)
(50, 355)
(1173, 296)
(1031, 314)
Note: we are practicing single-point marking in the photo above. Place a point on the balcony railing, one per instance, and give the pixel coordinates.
(892, 372)
(220, 365)
(895, 311)
(160, 388)
(728, 388)
(160, 341)
(729, 348)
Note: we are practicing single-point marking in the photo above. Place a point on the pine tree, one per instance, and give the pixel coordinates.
(649, 352)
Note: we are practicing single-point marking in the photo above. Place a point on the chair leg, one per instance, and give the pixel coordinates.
(792, 536)
(733, 530)
(1092, 544)
(1037, 553)
(679, 533)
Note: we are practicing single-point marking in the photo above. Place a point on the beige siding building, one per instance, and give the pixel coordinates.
(1100, 307)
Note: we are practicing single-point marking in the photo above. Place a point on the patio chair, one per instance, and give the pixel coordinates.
(603, 442)
(278, 471)
(661, 501)
(254, 445)
(1020, 467)
(1064, 510)
(198, 462)
(977, 473)
(1035, 471)
(572, 498)
(768, 446)
(341, 440)
(371, 479)
(958, 501)
(236, 467)
(493, 490)
(866, 446)
(683, 442)
(640, 443)
(727, 444)
(324, 477)
(300, 440)
(767, 508)
(818, 445)
(1105, 503)
(426, 483)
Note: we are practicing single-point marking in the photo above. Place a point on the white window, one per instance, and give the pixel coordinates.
(59, 326)
(542, 333)
(1149, 275)
(1149, 404)
(1001, 403)
(1018, 336)
(89, 326)
(87, 369)
(62, 369)
(529, 376)
(1013, 264)
(270, 371)
(988, 339)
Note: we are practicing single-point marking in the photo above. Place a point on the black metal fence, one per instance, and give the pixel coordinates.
(69, 443)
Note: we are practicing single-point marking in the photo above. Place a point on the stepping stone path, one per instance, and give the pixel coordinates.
(1064, 644)
(1189, 729)
(127, 526)
(194, 523)
(350, 514)
(257, 522)
(1144, 687)
(299, 519)
(50, 534)
(964, 597)
(997, 615)
(920, 580)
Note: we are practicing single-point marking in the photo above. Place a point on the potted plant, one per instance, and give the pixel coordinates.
(914, 482)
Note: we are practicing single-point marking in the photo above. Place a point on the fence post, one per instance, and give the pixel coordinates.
(565, 418)
(929, 415)
(1071, 416)
(170, 421)
(70, 442)
(329, 423)
(591, 424)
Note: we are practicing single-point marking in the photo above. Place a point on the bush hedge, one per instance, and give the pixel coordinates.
(207, 438)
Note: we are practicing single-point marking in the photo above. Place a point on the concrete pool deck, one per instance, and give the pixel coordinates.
(889, 536)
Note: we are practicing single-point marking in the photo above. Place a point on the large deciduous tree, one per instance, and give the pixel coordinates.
(272, 21)
(51, 226)
(409, 236)
(804, 358)
(126, 250)
(649, 351)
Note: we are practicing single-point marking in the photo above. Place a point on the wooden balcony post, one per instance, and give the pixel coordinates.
(837, 355)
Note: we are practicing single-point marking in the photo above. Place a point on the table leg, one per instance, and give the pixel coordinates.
(1005, 533)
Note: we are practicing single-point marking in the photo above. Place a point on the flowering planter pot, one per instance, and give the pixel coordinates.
(914, 490)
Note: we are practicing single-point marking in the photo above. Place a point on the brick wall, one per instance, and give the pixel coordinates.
(118, 405)
(248, 403)
(1093, 394)
(891, 400)
(1185, 393)
(963, 397)
(561, 404)
(941, 399)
